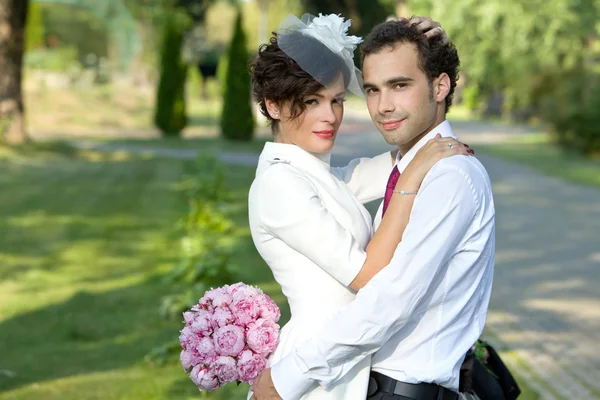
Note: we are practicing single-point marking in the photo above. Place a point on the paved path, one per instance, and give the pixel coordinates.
(545, 309)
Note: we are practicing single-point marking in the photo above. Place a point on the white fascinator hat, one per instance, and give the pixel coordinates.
(308, 40)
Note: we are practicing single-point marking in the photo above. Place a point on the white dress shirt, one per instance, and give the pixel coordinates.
(308, 224)
(422, 312)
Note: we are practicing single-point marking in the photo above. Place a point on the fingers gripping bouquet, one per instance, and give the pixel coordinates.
(228, 336)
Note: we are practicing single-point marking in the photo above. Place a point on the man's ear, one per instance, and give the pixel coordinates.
(441, 87)
(272, 109)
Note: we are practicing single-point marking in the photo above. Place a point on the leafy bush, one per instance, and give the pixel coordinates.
(572, 110)
(60, 59)
(205, 261)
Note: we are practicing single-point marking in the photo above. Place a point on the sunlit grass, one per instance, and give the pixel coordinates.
(115, 109)
(538, 152)
(84, 245)
(460, 112)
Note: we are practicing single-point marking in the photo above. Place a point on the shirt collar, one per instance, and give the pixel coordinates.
(292, 154)
(443, 129)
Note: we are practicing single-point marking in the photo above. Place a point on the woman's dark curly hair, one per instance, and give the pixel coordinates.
(435, 57)
(277, 77)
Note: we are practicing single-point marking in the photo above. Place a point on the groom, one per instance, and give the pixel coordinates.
(421, 314)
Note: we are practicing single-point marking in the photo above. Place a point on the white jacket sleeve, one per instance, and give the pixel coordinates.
(288, 206)
(366, 177)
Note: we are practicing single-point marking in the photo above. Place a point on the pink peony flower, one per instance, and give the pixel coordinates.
(226, 288)
(232, 288)
(222, 299)
(229, 340)
(222, 316)
(211, 294)
(204, 378)
(268, 308)
(187, 338)
(202, 324)
(189, 359)
(250, 365)
(228, 334)
(240, 291)
(245, 311)
(205, 350)
(225, 368)
(203, 304)
(263, 336)
(188, 317)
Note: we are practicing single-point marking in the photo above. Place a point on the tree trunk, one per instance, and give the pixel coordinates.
(13, 16)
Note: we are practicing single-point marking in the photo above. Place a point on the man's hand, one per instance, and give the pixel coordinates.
(263, 388)
(425, 25)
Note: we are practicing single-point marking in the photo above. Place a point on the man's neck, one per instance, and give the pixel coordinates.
(405, 147)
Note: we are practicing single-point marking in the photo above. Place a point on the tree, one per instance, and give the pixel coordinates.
(13, 17)
(170, 115)
(535, 53)
(507, 46)
(237, 120)
(153, 15)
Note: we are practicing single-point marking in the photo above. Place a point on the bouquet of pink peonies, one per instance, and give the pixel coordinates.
(228, 336)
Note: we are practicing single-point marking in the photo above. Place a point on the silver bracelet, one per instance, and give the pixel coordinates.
(403, 193)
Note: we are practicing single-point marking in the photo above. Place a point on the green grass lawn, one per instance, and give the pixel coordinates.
(86, 240)
(108, 107)
(537, 152)
(84, 244)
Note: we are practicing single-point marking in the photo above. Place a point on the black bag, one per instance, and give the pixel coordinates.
(507, 381)
(492, 381)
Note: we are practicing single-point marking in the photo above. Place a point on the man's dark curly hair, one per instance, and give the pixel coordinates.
(277, 77)
(435, 57)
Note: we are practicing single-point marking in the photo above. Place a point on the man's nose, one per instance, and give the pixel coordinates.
(386, 105)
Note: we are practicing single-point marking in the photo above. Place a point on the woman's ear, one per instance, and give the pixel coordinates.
(272, 109)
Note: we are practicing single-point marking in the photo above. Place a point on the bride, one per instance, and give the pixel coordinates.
(307, 218)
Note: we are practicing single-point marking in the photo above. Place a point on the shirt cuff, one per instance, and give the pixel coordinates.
(288, 378)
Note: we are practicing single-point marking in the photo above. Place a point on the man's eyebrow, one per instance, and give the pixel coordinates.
(397, 79)
(389, 82)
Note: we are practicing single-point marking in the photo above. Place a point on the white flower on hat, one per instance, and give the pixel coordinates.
(332, 31)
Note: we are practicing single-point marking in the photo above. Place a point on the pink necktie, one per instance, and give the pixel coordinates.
(389, 189)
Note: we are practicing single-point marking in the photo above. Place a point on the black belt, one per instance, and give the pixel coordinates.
(417, 391)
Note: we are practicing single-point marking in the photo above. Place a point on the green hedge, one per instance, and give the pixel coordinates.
(170, 114)
(237, 120)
